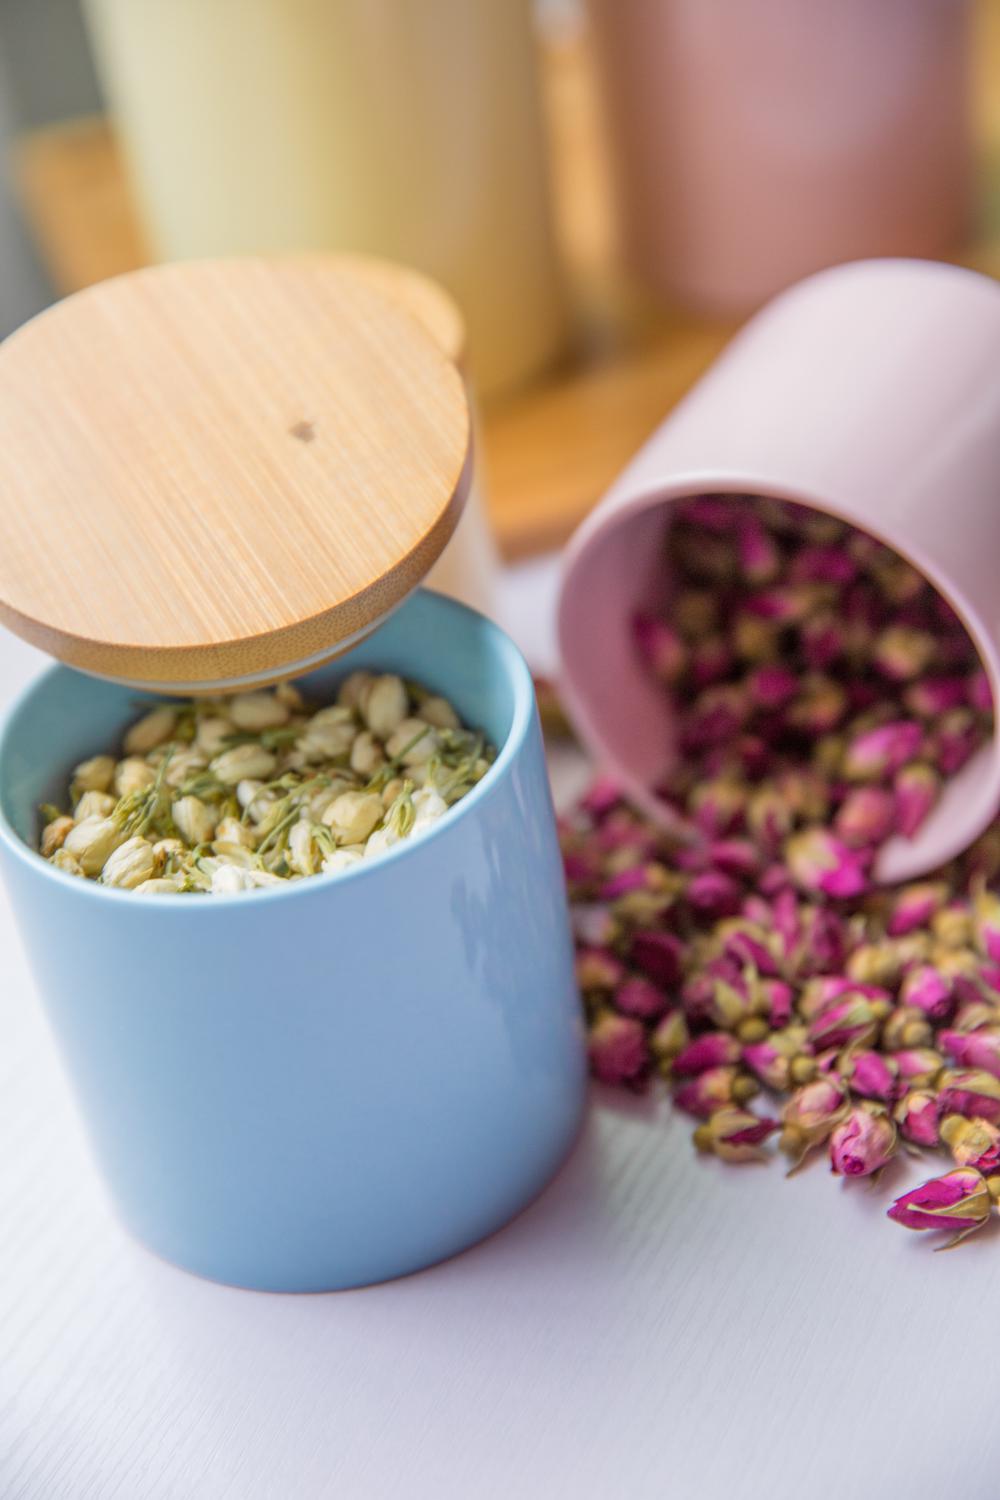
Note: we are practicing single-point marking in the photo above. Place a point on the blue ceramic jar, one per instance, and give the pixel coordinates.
(338, 1081)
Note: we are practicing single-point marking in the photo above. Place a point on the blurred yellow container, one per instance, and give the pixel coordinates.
(410, 129)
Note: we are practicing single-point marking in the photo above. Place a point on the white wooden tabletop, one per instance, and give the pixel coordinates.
(655, 1326)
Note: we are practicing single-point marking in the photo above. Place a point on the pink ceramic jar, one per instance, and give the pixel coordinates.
(757, 141)
(871, 391)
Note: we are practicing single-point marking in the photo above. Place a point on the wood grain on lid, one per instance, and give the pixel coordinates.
(213, 471)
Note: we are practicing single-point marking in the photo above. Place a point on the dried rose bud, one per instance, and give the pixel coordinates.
(710, 1050)
(863, 1142)
(819, 708)
(906, 1028)
(917, 1115)
(639, 997)
(760, 560)
(714, 894)
(957, 737)
(918, 1067)
(602, 798)
(970, 1092)
(874, 963)
(959, 1200)
(735, 1135)
(618, 1051)
(718, 806)
(953, 925)
(870, 1074)
(883, 750)
(772, 686)
(915, 905)
(927, 990)
(661, 647)
(973, 1049)
(579, 868)
(823, 564)
(821, 640)
(598, 969)
(866, 817)
(986, 921)
(931, 696)
(769, 817)
(980, 694)
(708, 1091)
(972, 1143)
(810, 1115)
(779, 997)
(820, 862)
(771, 1059)
(902, 653)
(917, 788)
(746, 943)
(729, 1004)
(975, 1012)
(648, 877)
(850, 1020)
(658, 955)
(711, 660)
(669, 1036)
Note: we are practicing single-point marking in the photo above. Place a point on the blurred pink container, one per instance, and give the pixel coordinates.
(760, 140)
(871, 391)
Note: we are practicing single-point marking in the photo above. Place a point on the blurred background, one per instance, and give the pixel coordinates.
(606, 187)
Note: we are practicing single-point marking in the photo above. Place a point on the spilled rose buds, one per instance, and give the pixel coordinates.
(917, 1115)
(810, 1115)
(618, 1050)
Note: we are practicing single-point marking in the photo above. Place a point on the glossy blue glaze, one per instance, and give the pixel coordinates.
(341, 1080)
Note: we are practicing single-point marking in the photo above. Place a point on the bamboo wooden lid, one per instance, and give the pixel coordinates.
(224, 472)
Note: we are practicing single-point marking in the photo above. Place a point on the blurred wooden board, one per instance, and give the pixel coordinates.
(553, 449)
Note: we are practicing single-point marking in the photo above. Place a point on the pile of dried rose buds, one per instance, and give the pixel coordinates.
(222, 795)
(822, 693)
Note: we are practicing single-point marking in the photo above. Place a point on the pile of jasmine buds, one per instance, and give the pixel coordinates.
(222, 795)
(822, 693)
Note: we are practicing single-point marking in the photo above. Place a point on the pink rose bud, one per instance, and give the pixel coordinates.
(918, 1067)
(957, 738)
(986, 922)
(870, 1074)
(970, 1092)
(719, 713)
(820, 708)
(759, 557)
(902, 653)
(980, 694)
(718, 805)
(733, 857)
(917, 1117)
(959, 1200)
(846, 1021)
(779, 997)
(746, 944)
(884, 750)
(975, 1012)
(816, 564)
(863, 1142)
(928, 991)
(713, 894)
(735, 1135)
(771, 1059)
(784, 605)
(866, 817)
(772, 686)
(660, 646)
(669, 1036)
(905, 1028)
(658, 955)
(820, 862)
(579, 867)
(709, 1091)
(593, 924)
(598, 969)
(917, 789)
(972, 1143)
(915, 905)
(639, 997)
(602, 797)
(650, 877)
(932, 696)
(973, 1049)
(618, 1051)
(821, 641)
(811, 1114)
(730, 1004)
(617, 833)
(710, 1050)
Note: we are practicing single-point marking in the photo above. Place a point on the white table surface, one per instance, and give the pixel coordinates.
(655, 1326)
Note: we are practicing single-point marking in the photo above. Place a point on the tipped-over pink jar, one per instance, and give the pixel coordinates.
(870, 391)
